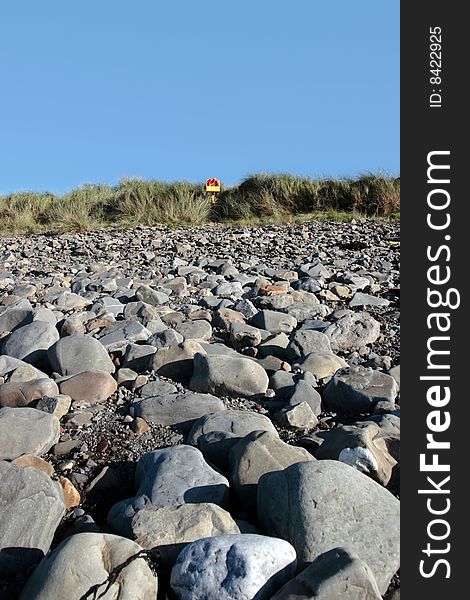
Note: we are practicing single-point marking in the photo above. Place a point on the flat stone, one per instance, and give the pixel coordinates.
(237, 422)
(254, 455)
(356, 390)
(228, 376)
(306, 310)
(139, 357)
(274, 345)
(64, 574)
(171, 528)
(31, 508)
(78, 353)
(195, 330)
(336, 574)
(131, 331)
(274, 321)
(157, 388)
(234, 567)
(360, 299)
(30, 342)
(91, 387)
(320, 505)
(26, 431)
(35, 462)
(177, 409)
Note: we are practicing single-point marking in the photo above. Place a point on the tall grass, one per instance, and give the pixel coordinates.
(149, 202)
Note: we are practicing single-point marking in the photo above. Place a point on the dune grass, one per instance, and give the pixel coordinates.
(259, 198)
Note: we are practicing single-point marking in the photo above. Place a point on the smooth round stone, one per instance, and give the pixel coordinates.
(30, 342)
(78, 353)
(26, 431)
(232, 567)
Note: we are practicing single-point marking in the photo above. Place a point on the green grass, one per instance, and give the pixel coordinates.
(258, 199)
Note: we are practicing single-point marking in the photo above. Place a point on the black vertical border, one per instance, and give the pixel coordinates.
(425, 129)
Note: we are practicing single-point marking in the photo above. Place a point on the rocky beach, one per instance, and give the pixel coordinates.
(201, 413)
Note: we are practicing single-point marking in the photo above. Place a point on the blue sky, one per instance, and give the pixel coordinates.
(96, 90)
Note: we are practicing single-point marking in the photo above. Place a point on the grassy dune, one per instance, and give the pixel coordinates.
(258, 198)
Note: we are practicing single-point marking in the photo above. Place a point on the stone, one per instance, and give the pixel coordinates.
(395, 373)
(157, 388)
(31, 508)
(283, 384)
(176, 362)
(320, 505)
(320, 364)
(356, 390)
(298, 417)
(20, 394)
(90, 387)
(237, 422)
(65, 574)
(360, 299)
(273, 321)
(352, 331)
(195, 330)
(364, 448)
(228, 289)
(36, 462)
(58, 405)
(19, 371)
(177, 409)
(228, 376)
(140, 426)
(245, 307)
(138, 357)
(157, 485)
(167, 337)
(30, 342)
(306, 341)
(224, 318)
(146, 294)
(336, 574)
(129, 332)
(171, 528)
(304, 392)
(244, 336)
(254, 455)
(71, 494)
(15, 315)
(26, 431)
(78, 353)
(274, 345)
(234, 567)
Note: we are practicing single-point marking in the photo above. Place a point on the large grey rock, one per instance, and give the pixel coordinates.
(254, 455)
(352, 331)
(138, 357)
(242, 335)
(236, 422)
(79, 353)
(234, 567)
(176, 362)
(357, 389)
(171, 528)
(274, 345)
(305, 341)
(65, 574)
(18, 370)
(157, 485)
(177, 409)
(30, 342)
(167, 337)
(26, 431)
(273, 321)
(228, 376)
(31, 508)
(15, 315)
(335, 575)
(320, 505)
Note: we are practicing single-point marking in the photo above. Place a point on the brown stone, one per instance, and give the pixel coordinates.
(91, 387)
(18, 394)
(140, 425)
(30, 460)
(71, 495)
(271, 290)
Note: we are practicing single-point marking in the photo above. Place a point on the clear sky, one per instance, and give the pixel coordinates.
(96, 90)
